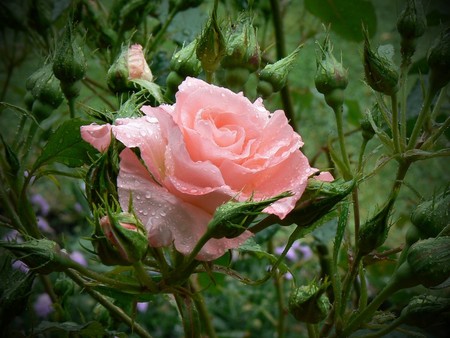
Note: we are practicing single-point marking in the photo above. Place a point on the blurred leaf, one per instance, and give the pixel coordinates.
(123, 297)
(11, 157)
(19, 110)
(353, 112)
(66, 146)
(15, 289)
(88, 330)
(250, 246)
(345, 16)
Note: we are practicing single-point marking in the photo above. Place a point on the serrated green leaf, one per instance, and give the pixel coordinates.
(66, 146)
(11, 157)
(345, 16)
(152, 88)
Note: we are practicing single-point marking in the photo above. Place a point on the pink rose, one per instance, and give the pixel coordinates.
(210, 146)
(137, 65)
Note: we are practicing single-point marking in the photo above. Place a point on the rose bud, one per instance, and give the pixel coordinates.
(126, 235)
(243, 51)
(411, 25)
(439, 61)
(431, 217)
(69, 64)
(379, 71)
(367, 129)
(211, 46)
(331, 77)
(185, 62)
(374, 232)
(429, 261)
(425, 310)
(40, 255)
(317, 200)
(232, 218)
(130, 65)
(309, 303)
(276, 73)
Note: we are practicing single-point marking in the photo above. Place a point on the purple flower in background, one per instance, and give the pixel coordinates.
(42, 204)
(43, 305)
(78, 257)
(296, 252)
(44, 226)
(142, 306)
(19, 265)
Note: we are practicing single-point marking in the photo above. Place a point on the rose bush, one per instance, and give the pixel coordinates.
(210, 146)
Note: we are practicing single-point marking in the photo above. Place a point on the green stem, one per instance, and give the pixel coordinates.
(144, 278)
(113, 309)
(363, 294)
(102, 278)
(439, 101)
(438, 133)
(404, 68)
(71, 103)
(420, 119)
(205, 317)
(395, 131)
(163, 29)
(383, 332)
(361, 155)
(364, 315)
(338, 111)
(312, 330)
(280, 301)
(281, 53)
(348, 281)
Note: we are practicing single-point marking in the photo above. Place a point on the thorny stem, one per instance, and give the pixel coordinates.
(113, 309)
(429, 143)
(280, 301)
(341, 137)
(420, 119)
(395, 131)
(281, 53)
(205, 317)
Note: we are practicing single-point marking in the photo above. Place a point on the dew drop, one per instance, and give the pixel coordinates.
(145, 213)
(148, 195)
(162, 213)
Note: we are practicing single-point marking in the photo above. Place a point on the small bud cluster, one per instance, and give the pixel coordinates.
(411, 25)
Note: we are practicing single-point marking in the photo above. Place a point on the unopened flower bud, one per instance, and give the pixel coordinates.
(411, 25)
(317, 200)
(367, 129)
(330, 74)
(374, 232)
(46, 88)
(185, 62)
(211, 45)
(425, 310)
(242, 45)
(277, 73)
(69, 64)
(379, 71)
(126, 235)
(130, 65)
(439, 61)
(432, 216)
(429, 261)
(40, 255)
(309, 303)
(233, 218)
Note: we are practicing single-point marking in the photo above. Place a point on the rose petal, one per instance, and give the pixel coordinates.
(99, 136)
(167, 218)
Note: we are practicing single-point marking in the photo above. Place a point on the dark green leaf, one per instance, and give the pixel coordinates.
(11, 157)
(66, 146)
(345, 16)
(250, 246)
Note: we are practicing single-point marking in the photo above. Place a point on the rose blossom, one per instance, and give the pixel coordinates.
(137, 65)
(210, 146)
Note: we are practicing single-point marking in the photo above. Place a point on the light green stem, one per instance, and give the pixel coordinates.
(144, 278)
(113, 309)
(340, 129)
(395, 132)
(205, 317)
(420, 120)
(438, 133)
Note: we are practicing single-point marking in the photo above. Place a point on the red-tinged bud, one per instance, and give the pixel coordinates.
(211, 45)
